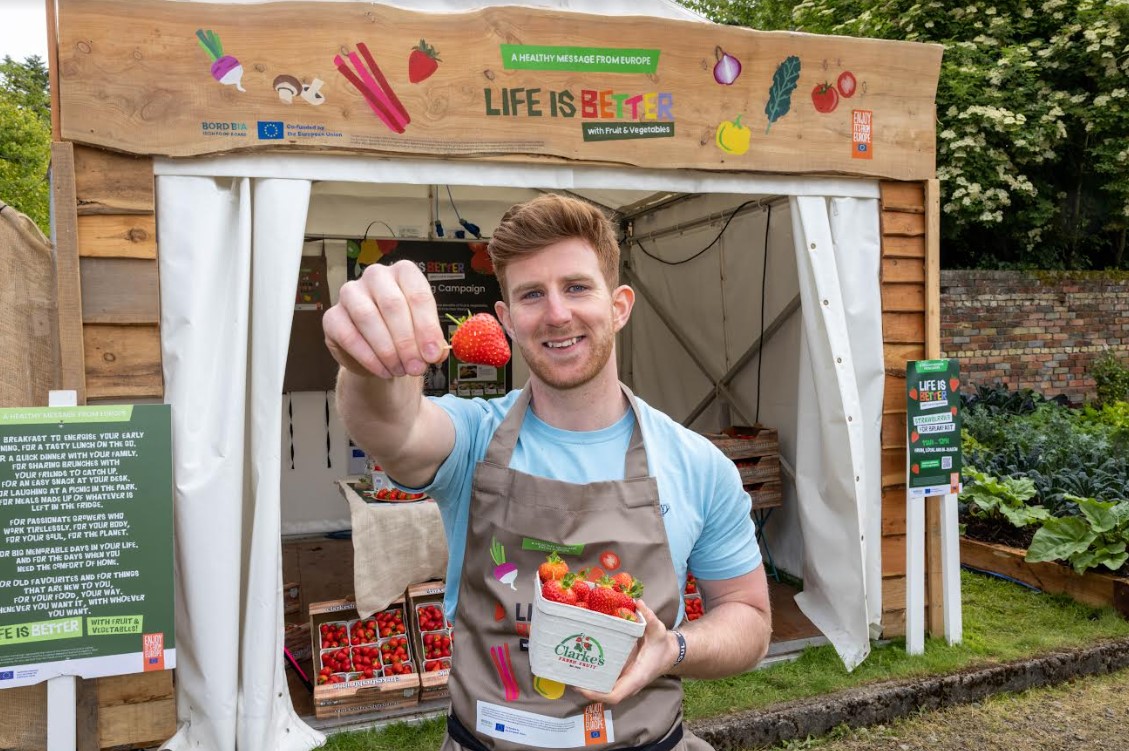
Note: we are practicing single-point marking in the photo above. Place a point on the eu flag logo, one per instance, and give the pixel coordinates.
(270, 130)
(7, 675)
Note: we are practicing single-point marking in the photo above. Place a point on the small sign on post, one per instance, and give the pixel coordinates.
(933, 466)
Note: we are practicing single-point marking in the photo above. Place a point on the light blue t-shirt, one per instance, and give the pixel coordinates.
(705, 509)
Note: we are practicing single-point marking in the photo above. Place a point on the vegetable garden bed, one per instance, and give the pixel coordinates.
(1092, 588)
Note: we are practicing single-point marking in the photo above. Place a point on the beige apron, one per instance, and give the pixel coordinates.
(515, 519)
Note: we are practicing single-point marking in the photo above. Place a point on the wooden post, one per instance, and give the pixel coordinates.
(64, 235)
(933, 521)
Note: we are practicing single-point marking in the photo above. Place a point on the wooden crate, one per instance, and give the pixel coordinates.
(759, 469)
(738, 442)
(765, 495)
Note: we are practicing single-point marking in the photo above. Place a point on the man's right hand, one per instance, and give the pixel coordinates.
(386, 324)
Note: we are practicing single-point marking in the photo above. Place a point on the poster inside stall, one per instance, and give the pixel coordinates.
(933, 424)
(86, 529)
(463, 281)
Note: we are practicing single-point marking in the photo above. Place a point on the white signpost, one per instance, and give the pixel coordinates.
(933, 465)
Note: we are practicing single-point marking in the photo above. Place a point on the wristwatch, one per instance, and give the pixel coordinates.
(681, 646)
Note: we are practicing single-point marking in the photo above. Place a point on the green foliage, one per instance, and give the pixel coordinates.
(1033, 110)
(1112, 377)
(992, 498)
(25, 138)
(29, 85)
(1095, 538)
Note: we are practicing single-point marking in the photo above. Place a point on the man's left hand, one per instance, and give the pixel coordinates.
(653, 656)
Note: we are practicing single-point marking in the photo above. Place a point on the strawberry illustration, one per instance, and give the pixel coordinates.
(423, 61)
(480, 259)
(552, 568)
(479, 339)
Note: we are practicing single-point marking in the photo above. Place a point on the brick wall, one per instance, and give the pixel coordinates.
(1034, 329)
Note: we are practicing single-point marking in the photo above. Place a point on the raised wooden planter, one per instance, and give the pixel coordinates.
(1092, 588)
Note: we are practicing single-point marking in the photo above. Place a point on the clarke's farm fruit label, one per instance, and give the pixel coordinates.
(933, 427)
(86, 568)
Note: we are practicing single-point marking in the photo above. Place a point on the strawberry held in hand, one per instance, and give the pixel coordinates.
(480, 340)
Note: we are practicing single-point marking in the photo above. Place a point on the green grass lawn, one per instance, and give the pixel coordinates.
(1002, 621)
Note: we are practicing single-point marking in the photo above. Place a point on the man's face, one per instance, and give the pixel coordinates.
(561, 314)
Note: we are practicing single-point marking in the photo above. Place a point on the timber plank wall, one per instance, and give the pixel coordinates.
(109, 314)
(910, 323)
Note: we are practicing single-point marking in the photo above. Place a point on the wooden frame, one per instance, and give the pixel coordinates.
(115, 82)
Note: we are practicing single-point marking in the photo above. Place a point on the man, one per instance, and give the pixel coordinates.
(571, 463)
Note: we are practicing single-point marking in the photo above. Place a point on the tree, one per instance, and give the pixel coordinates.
(1033, 118)
(25, 138)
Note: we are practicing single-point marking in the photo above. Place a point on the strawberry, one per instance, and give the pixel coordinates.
(604, 598)
(479, 339)
(579, 585)
(423, 61)
(553, 590)
(627, 614)
(552, 568)
(627, 598)
(622, 581)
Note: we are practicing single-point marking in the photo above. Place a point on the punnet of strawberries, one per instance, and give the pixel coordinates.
(590, 589)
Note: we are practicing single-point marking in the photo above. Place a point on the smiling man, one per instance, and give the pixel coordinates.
(574, 463)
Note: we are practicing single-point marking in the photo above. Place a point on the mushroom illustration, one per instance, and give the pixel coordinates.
(312, 94)
(287, 87)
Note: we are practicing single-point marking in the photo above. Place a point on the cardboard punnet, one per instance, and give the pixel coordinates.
(433, 684)
(579, 647)
(356, 694)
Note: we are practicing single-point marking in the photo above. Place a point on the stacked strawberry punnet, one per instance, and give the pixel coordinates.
(611, 595)
(693, 600)
(435, 638)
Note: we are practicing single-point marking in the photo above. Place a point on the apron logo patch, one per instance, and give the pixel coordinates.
(503, 571)
(544, 546)
(580, 650)
(595, 729)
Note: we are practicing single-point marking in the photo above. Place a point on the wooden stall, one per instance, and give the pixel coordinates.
(137, 80)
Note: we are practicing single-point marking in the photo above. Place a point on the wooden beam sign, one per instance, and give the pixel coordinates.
(158, 77)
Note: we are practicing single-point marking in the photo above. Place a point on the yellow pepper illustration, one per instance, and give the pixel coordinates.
(733, 137)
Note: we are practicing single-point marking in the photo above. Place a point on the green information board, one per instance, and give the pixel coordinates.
(933, 427)
(86, 565)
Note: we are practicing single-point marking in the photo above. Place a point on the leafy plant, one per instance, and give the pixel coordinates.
(990, 497)
(1095, 538)
(1112, 377)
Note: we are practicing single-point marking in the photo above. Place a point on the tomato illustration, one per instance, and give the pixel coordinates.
(609, 560)
(846, 84)
(732, 137)
(824, 97)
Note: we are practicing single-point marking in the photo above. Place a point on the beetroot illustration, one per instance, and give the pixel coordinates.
(225, 68)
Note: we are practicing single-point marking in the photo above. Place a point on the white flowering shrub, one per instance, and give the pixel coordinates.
(1033, 117)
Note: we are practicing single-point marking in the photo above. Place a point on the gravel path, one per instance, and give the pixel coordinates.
(1089, 713)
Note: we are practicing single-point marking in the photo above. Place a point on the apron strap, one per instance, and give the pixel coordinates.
(460, 735)
(501, 448)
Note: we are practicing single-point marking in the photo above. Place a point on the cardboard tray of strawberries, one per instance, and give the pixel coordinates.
(361, 664)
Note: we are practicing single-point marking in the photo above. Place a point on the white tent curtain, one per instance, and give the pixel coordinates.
(838, 466)
(229, 259)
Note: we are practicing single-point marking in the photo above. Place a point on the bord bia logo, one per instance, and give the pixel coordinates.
(580, 650)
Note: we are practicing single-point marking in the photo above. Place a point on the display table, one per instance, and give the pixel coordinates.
(394, 544)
